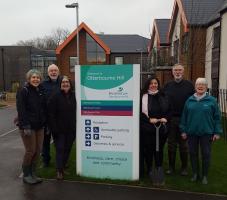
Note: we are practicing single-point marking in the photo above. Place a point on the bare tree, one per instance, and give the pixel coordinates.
(57, 36)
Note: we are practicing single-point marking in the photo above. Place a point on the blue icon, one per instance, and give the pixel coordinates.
(87, 122)
(87, 136)
(96, 136)
(87, 143)
(96, 129)
(87, 129)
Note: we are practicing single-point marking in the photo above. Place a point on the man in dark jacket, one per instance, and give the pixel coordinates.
(51, 85)
(178, 91)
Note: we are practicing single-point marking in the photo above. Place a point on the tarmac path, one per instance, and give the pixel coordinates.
(12, 188)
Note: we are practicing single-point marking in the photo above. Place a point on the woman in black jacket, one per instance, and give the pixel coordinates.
(154, 112)
(31, 120)
(62, 116)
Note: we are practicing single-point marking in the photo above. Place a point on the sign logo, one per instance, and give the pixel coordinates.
(120, 89)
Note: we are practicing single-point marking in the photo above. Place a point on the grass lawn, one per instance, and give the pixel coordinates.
(217, 174)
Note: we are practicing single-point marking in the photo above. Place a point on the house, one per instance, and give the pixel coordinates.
(194, 36)
(159, 50)
(15, 61)
(100, 49)
(216, 42)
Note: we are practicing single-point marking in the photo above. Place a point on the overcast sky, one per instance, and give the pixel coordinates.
(27, 19)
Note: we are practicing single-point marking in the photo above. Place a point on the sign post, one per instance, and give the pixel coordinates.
(108, 121)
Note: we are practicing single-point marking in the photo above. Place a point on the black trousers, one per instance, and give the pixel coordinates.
(174, 137)
(204, 142)
(148, 132)
(63, 144)
(46, 146)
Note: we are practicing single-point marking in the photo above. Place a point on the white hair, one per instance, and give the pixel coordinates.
(51, 66)
(201, 80)
(178, 65)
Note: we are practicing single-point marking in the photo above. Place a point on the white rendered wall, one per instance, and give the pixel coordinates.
(176, 32)
(223, 60)
(209, 45)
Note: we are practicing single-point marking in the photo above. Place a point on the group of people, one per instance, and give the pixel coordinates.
(179, 114)
(46, 108)
(185, 117)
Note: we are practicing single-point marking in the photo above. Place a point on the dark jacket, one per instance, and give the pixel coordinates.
(62, 113)
(178, 93)
(51, 87)
(161, 110)
(31, 107)
(158, 107)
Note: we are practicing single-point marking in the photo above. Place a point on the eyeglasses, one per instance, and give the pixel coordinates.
(65, 82)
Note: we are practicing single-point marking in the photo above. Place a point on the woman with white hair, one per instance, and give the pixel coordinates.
(31, 120)
(200, 124)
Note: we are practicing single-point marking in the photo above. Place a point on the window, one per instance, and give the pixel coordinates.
(216, 36)
(72, 63)
(185, 43)
(176, 50)
(95, 53)
(118, 60)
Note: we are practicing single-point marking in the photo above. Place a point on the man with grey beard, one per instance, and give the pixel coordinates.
(178, 91)
(50, 85)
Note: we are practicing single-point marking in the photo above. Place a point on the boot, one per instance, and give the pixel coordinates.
(172, 159)
(27, 178)
(33, 169)
(184, 162)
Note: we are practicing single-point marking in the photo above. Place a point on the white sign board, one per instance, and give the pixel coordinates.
(108, 121)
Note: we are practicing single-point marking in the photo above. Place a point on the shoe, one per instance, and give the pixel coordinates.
(184, 172)
(37, 179)
(204, 180)
(194, 178)
(27, 175)
(60, 176)
(29, 180)
(33, 174)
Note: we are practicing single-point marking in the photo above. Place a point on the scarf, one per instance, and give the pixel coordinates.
(145, 101)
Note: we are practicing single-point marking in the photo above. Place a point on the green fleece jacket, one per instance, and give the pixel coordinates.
(201, 117)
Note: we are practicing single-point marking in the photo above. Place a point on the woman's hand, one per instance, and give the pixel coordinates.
(184, 136)
(215, 137)
(163, 120)
(27, 132)
(153, 120)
